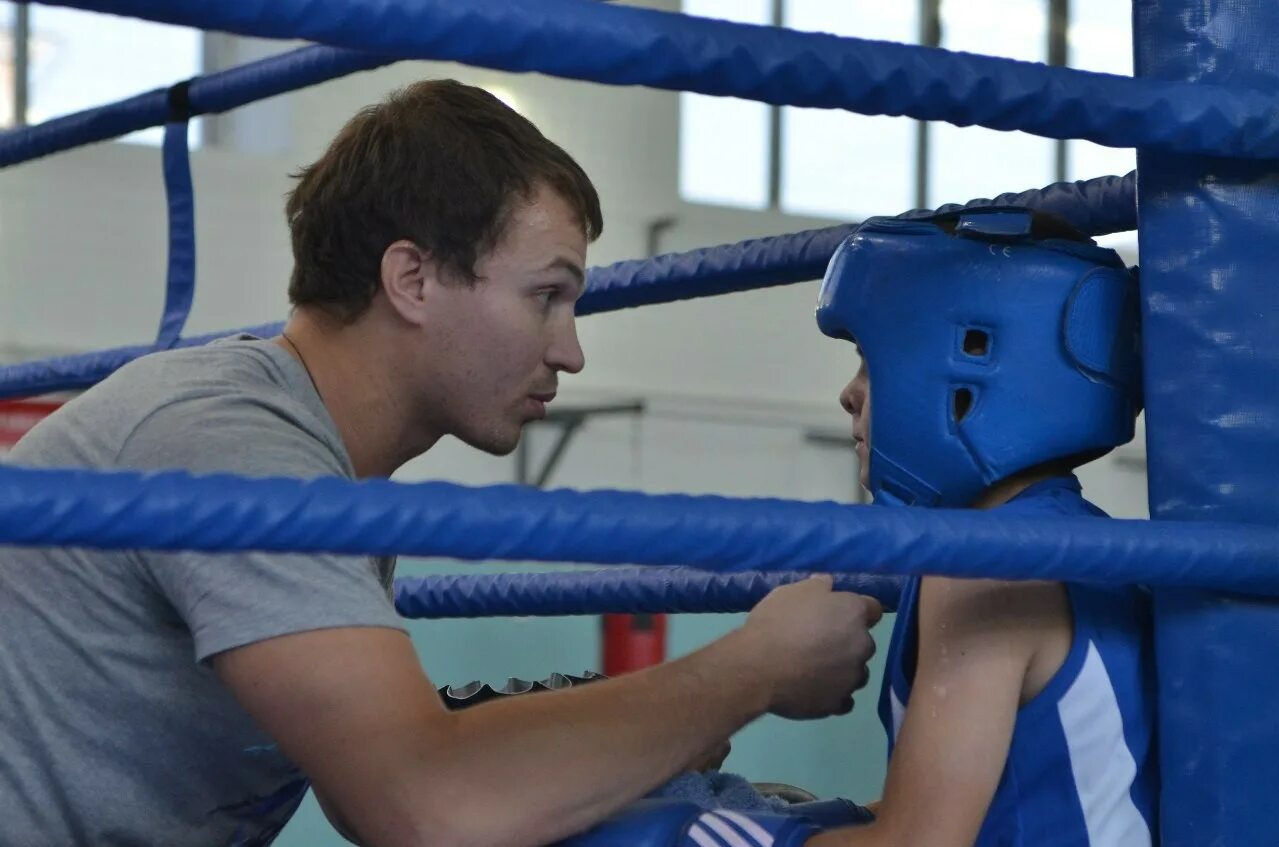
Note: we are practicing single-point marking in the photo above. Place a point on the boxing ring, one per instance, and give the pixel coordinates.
(1205, 203)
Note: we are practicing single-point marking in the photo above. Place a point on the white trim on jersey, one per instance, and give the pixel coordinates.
(899, 711)
(720, 828)
(731, 837)
(750, 827)
(702, 837)
(1100, 760)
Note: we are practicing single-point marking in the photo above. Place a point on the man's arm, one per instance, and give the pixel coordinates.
(978, 641)
(353, 709)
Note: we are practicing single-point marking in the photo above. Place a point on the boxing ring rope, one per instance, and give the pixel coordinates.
(179, 191)
(177, 511)
(1096, 206)
(634, 591)
(208, 94)
(622, 45)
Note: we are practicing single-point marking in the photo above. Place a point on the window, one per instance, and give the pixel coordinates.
(711, 169)
(836, 164)
(839, 164)
(968, 162)
(8, 82)
(69, 50)
(1099, 39)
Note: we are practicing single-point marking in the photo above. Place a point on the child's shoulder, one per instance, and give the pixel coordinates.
(1015, 635)
(1031, 613)
(992, 604)
(1058, 495)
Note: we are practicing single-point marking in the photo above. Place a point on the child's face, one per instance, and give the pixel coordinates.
(855, 398)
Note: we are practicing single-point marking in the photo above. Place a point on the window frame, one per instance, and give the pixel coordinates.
(19, 35)
(930, 35)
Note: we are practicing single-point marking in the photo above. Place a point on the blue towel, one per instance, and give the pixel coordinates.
(717, 790)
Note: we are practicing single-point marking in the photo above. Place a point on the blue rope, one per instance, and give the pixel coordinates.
(621, 45)
(630, 591)
(174, 510)
(179, 290)
(212, 93)
(1096, 207)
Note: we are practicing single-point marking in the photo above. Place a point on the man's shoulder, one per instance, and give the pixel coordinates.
(240, 374)
(195, 378)
(229, 406)
(234, 362)
(237, 425)
(91, 429)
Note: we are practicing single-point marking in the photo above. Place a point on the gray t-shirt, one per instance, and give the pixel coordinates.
(114, 729)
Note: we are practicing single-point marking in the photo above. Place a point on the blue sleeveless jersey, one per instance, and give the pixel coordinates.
(1081, 769)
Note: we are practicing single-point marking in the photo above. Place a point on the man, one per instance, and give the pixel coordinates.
(189, 698)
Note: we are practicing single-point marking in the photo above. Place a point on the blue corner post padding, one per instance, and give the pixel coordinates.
(1211, 325)
(678, 823)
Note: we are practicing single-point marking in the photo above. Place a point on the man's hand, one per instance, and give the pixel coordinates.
(814, 643)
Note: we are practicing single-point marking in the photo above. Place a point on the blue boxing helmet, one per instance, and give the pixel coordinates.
(995, 339)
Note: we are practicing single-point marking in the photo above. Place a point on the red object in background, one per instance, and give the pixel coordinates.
(19, 416)
(632, 642)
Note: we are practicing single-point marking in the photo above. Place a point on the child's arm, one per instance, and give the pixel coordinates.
(979, 643)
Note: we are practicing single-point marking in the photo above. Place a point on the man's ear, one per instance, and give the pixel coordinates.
(407, 273)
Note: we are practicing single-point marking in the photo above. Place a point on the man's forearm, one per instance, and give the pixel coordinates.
(353, 709)
(534, 769)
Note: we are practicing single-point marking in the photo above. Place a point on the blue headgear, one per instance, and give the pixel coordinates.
(990, 347)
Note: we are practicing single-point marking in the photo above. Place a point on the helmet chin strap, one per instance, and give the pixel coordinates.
(893, 485)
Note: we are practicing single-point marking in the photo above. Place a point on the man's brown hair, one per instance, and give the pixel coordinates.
(437, 163)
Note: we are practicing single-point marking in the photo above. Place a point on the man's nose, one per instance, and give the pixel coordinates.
(565, 352)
